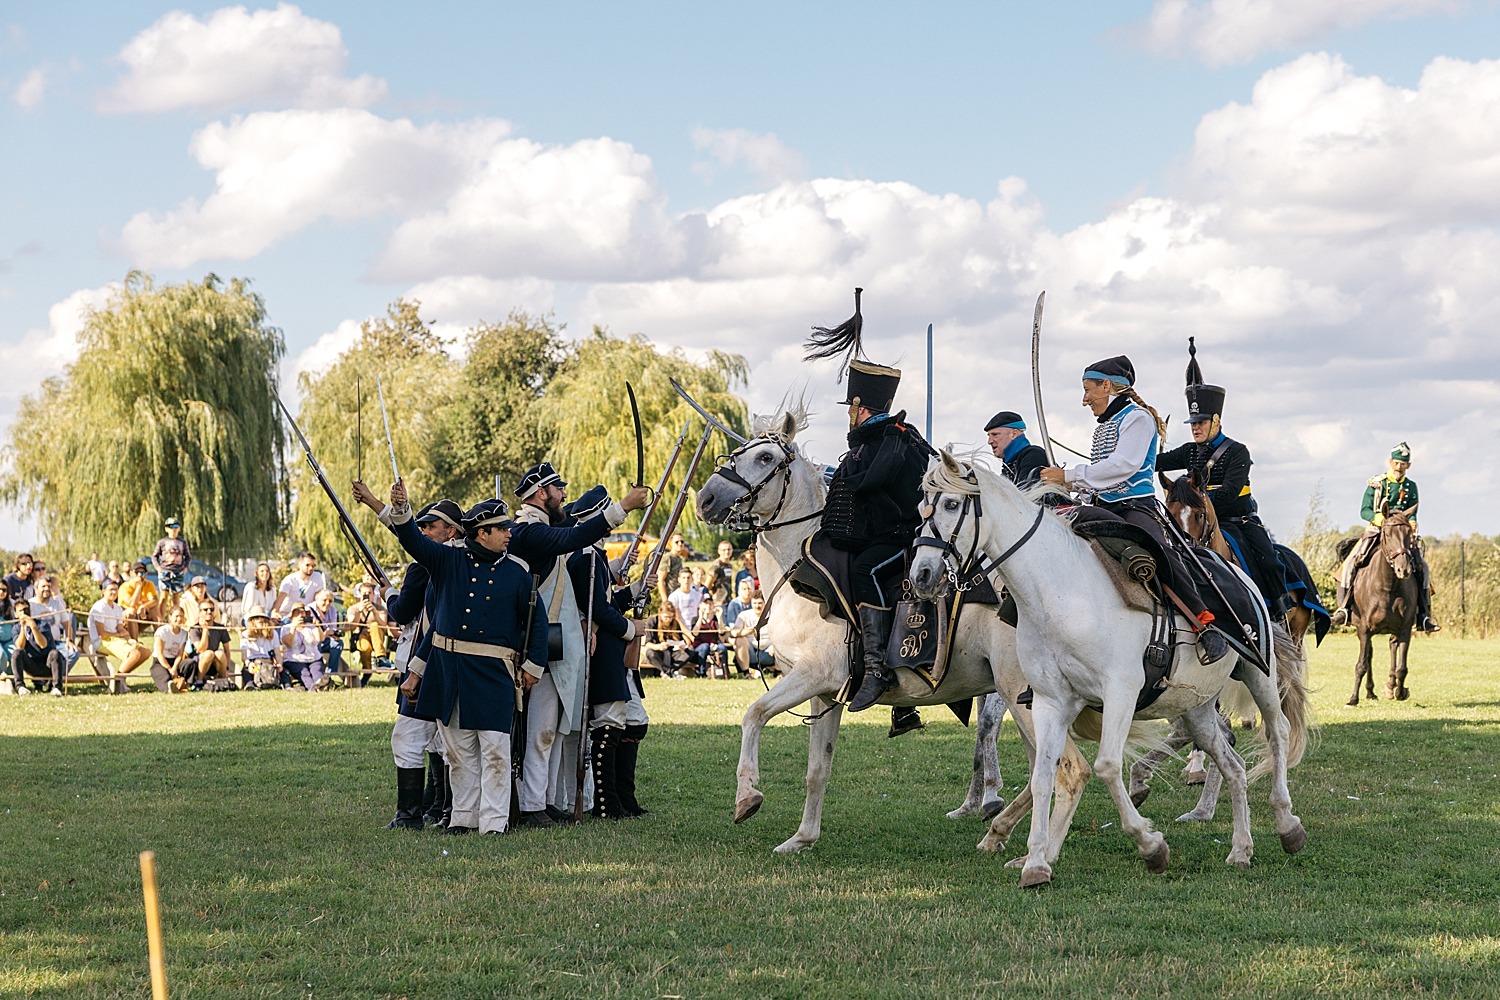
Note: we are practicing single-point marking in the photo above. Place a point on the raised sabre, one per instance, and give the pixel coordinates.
(640, 443)
(661, 484)
(389, 443)
(671, 523)
(1036, 377)
(712, 420)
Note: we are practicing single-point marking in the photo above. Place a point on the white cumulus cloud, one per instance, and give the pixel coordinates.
(761, 153)
(1233, 31)
(237, 58)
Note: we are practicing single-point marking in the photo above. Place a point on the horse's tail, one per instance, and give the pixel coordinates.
(1237, 703)
(1291, 679)
(1144, 736)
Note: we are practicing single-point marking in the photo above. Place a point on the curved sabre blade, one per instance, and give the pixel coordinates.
(640, 443)
(713, 421)
(1036, 377)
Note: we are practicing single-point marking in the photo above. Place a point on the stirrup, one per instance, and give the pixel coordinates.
(1340, 616)
(1430, 625)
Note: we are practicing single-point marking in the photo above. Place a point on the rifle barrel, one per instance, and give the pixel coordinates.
(661, 484)
(671, 524)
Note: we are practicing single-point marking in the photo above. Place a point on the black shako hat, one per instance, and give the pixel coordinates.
(1006, 418)
(491, 513)
(1204, 401)
(593, 501)
(534, 478)
(1117, 369)
(442, 510)
(870, 385)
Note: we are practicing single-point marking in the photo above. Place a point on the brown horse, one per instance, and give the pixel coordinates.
(1383, 601)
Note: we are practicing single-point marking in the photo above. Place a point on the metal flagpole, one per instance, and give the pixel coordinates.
(929, 383)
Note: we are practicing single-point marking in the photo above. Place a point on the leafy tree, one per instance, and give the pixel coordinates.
(496, 428)
(167, 410)
(340, 414)
(586, 411)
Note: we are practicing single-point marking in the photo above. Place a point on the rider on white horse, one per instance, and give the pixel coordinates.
(1121, 477)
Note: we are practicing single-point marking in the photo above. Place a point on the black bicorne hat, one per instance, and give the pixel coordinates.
(493, 512)
(1204, 401)
(870, 385)
(534, 478)
(442, 510)
(1006, 418)
(1116, 369)
(593, 501)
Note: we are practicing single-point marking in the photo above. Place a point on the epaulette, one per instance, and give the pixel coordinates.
(1375, 481)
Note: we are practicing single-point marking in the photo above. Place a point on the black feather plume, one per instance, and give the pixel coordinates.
(1194, 373)
(841, 340)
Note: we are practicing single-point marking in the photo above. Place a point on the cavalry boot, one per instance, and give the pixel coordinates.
(1210, 639)
(408, 799)
(447, 817)
(1340, 614)
(437, 780)
(1425, 621)
(904, 719)
(875, 632)
(626, 756)
(604, 753)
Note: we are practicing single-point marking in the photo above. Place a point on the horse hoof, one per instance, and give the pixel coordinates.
(1390, 693)
(1138, 796)
(1403, 694)
(1156, 861)
(1353, 702)
(1243, 864)
(795, 845)
(1033, 877)
(746, 807)
(961, 812)
(1295, 840)
(993, 809)
(1194, 817)
(1195, 777)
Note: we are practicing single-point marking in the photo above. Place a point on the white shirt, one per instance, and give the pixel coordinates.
(97, 569)
(1136, 432)
(299, 591)
(748, 619)
(687, 604)
(263, 599)
(109, 615)
(304, 647)
(172, 642)
(52, 615)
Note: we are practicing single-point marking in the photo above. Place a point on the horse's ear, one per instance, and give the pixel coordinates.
(1195, 479)
(950, 463)
(788, 426)
(1166, 481)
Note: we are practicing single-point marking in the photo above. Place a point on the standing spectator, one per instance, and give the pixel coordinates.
(8, 623)
(686, 598)
(141, 601)
(671, 565)
(302, 586)
(748, 573)
(721, 570)
(300, 656)
(740, 603)
(171, 660)
(52, 611)
(367, 630)
(108, 636)
(37, 655)
(209, 642)
(326, 613)
(171, 559)
(262, 649)
(752, 653)
(112, 572)
(262, 594)
(97, 569)
(19, 579)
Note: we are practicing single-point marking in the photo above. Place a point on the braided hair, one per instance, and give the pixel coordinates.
(1128, 391)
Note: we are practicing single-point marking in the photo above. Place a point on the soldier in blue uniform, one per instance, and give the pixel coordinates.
(1022, 460)
(609, 690)
(1222, 465)
(542, 540)
(486, 642)
(1121, 477)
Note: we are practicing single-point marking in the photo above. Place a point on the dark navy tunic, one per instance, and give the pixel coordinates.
(537, 545)
(607, 681)
(483, 597)
(403, 609)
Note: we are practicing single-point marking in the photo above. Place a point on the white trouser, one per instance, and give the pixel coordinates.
(542, 710)
(479, 773)
(410, 739)
(635, 709)
(562, 778)
(610, 715)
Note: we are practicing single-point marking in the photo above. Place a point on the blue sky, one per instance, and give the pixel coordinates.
(1306, 187)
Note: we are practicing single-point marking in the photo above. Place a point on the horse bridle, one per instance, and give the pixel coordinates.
(740, 511)
(961, 576)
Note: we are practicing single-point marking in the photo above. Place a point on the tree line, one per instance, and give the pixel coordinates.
(170, 408)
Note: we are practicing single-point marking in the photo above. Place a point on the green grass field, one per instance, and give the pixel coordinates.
(266, 811)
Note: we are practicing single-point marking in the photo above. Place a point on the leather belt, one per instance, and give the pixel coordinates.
(505, 653)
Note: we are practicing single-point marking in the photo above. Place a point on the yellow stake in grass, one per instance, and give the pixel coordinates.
(153, 927)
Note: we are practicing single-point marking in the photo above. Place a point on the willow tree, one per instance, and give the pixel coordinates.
(587, 411)
(340, 414)
(168, 409)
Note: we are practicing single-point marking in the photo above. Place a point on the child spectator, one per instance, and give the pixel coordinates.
(172, 558)
(262, 650)
(171, 662)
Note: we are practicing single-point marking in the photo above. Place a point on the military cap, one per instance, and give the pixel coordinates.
(1117, 369)
(1402, 452)
(593, 501)
(1006, 418)
(441, 510)
(534, 478)
(492, 513)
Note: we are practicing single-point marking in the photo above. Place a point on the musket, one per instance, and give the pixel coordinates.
(671, 524)
(588, 662)
(1036, 377)
(389, 443)
(351, 530)
(661, 484)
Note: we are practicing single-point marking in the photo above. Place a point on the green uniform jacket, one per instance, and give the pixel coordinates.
(1395, 494)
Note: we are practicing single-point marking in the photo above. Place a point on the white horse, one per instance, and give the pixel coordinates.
(1080, 645)
(770, 482)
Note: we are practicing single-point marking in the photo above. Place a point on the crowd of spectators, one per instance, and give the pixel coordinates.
(707, 623)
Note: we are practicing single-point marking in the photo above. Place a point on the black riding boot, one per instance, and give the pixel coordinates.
(875, 632)
(1340, 614)
(604, 753)
(904, 719)
(408, 799)
(625, 760)
(1425, 621)
(447, 817)
(437, 789)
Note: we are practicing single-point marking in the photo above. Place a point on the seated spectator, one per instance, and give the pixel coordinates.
(141, 601)
(261, 649)
(741, 602)
(752, 653)
(261, 594)
(37, 655)
(326, 614)
(18, 580)
(667, 644)
(686, 598)
(108, 636)
(208, 644)
(367, 629)
(301, 659)
(302, 586)
(172, 666)
(50, 609)
(8, 623)
(708, 641)
(112, 573)
(721, 570)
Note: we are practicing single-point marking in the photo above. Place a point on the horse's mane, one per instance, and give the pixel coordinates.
(1182, 491)
(941, 479)
(793, 404)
